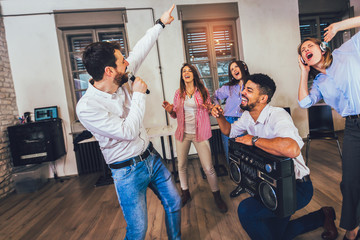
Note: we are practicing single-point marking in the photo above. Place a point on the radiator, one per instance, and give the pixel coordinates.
(89, 158)
(216, 142)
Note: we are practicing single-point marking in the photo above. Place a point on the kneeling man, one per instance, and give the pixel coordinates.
(272, 130)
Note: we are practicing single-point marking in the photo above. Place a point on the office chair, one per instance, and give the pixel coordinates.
(288, 110)
(321, 126)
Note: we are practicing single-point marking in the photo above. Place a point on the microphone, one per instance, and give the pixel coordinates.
(132, 78)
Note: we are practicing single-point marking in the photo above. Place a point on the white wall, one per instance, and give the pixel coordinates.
(270, 37)
(356, 5)
(37, 74)
(269, 34)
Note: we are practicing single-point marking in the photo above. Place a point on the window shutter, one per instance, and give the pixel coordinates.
(197, 42)
(210, 47)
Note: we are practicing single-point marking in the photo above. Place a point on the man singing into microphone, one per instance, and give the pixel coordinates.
(113, 111)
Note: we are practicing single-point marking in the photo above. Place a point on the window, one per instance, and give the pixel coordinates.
(314, 16)
(76, 41)
(314, 27)
(76, 30)
(210, 40)
(211, 46)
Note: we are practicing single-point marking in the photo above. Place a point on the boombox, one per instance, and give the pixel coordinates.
(269, 178)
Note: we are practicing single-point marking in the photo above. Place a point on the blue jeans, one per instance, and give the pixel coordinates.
(261, 223)
(225, 139)
(131, 183)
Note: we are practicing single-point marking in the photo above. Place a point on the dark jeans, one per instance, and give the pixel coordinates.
(261, 223)
(350, 184)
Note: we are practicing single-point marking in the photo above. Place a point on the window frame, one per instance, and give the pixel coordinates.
(330, 18)
(94, 31)
(66, 61)
(80, 21)
(213, 60)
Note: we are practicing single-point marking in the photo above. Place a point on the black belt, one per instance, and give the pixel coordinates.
(133, 160)
(353, 116)
(304, 179)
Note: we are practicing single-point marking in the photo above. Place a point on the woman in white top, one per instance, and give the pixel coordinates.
(193, 127)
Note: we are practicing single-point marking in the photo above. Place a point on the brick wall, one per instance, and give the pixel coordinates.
(8, 115)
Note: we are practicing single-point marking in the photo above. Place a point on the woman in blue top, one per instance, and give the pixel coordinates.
(231, 93)
(338, 83)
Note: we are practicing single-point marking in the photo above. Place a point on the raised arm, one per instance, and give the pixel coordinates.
(303, 86)
(144, 45)
(218, 113)
(332, 29)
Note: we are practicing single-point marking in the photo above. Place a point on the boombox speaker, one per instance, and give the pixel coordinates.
(269, 178)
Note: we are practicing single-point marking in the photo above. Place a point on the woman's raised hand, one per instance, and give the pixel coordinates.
(331, 31)
(168, 107)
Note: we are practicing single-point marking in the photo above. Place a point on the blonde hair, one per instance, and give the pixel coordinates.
(328, 58)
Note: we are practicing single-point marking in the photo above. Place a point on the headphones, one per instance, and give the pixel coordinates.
(302, 60)
(323, 46)
(245, 66)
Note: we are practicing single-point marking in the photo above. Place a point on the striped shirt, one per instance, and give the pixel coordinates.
(203, 128)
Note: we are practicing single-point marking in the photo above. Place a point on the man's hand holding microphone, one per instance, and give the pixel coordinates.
(139, 85)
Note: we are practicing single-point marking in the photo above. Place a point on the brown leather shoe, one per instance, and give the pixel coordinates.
(185, 197)
(219, 202)
(357, 237)
(330, 230)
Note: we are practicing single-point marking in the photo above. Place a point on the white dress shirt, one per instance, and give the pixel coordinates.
(116, 120)
(273, 122)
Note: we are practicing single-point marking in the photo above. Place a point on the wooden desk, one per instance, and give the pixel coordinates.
(168, 131)
(165, 131)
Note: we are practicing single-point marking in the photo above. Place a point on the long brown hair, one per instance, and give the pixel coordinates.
(197, 82)
(244, 72)
(327, 56)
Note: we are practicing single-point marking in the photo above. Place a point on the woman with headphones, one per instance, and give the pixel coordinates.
(337, 82)
(231, 93)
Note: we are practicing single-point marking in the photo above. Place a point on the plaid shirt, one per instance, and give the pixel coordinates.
(203, 128)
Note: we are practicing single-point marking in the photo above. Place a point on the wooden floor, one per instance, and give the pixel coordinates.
(75, 209)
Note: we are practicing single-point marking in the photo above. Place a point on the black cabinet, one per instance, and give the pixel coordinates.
(36, 142)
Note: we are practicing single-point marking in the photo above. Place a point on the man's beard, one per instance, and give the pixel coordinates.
(248, 107)
(121, 78)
